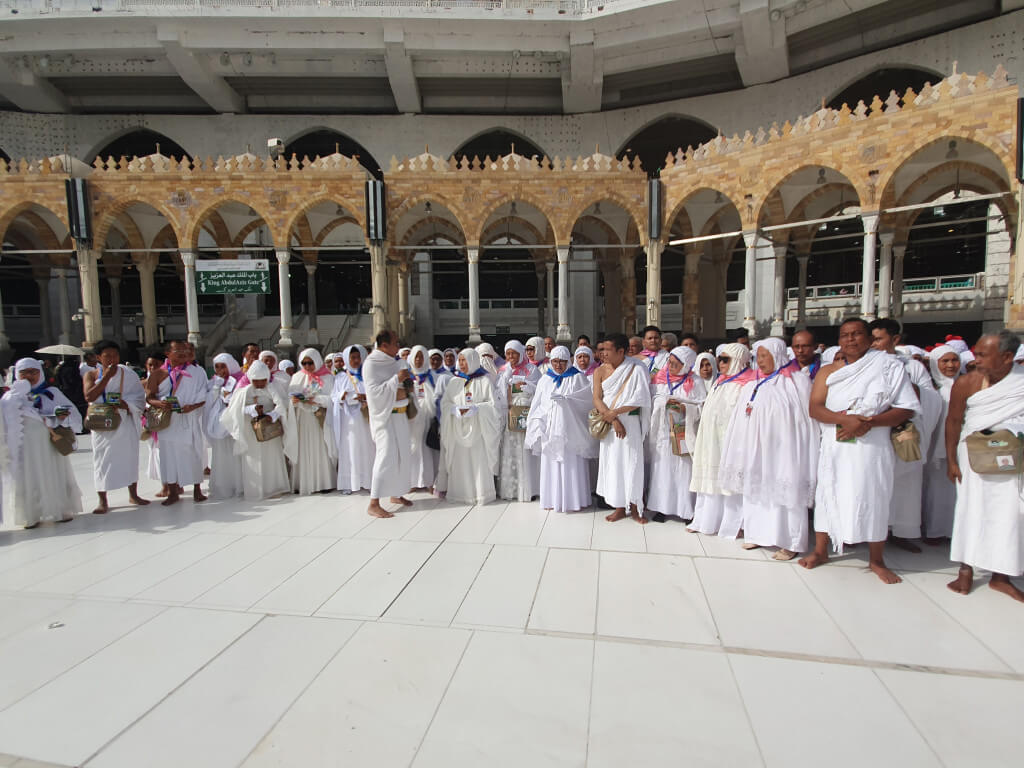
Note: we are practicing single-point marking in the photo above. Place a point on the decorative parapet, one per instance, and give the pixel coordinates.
(514, 163)
(957, 85)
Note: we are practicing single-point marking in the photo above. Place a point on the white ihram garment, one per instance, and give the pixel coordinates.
(988, 531)
(264, 472)
(620, 475)
(519, 469)
(115, 454)
(669, 487)
(310, 447)
(354, 443)
(225, 463)
(423, 459)
(557, 433)
(385, 394)
(469, 441)
(855, 479)
(939, 492)
(181, 447)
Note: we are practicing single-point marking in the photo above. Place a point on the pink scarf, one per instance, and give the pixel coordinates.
(664, 377)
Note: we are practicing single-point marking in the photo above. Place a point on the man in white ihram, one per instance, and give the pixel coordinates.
(384, 377)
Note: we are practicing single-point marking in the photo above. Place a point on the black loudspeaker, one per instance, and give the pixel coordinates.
(1020, 140)
(79, 215)
(655, 203)
(376, 216)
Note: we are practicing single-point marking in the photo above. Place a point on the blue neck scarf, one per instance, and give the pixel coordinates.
(470, 376)
(428, 376)
(39, 391)
(357, 375)
(558, 378)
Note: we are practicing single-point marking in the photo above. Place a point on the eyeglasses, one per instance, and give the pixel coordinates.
(309, 363)
(724, 359)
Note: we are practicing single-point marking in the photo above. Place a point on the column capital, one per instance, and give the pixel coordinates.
(898, 251)
(283, 257)
(550, 267)
(188, 258)
(563, 254)
(472, 254)
(780, 251)
(870, 221)
(750, 238)
(310, 268)
(803, 258)
(886, 238)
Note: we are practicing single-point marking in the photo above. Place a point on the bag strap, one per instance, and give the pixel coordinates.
(621, 388)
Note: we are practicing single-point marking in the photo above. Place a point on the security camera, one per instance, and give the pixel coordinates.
(275, 147)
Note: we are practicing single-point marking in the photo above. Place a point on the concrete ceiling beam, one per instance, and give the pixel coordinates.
(196, 73)
(400, 72)
(762, 56)
(582, 78)
(20, 86)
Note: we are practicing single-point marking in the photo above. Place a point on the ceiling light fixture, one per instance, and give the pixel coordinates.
(821, 176)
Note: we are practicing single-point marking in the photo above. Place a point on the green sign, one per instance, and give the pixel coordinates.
(232, 276)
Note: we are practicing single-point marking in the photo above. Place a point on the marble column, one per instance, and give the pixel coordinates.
(549, 327)
(146, 267)
(885, 275)
(898, 251)
(867, 295)
(654, 282)
(542, 302)
(403, 302)
(88, 275)
(691, 288)
(64, 302)
(473, 274)
(750, 283)
(188, 259)
(284, 286)
(5, 343)
(313, 337)
(801, 302)
(562, 332)
(378, 287)
(46, 321)
(779, 292)
(628, 288)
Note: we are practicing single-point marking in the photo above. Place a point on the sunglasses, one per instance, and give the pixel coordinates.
(310, 363)
(724, 359)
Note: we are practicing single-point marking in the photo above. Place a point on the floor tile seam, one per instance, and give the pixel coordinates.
(81, 661)
(835, 622)
(774, 653)
(963, 626)
(264, 595)
(704, 594)
(536, 589)
(746, 711)
(70, 545)
(84, 562)
(232, 575)
(912, 722)
(441, 698)
(170, 693)
(445, 538)
(476, 576)
(170, 575)
(415, 573)
(300, 694)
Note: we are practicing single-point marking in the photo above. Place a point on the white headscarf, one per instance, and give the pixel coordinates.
(560, 353)
(348, 352)
(487, 355)
(829, 355)
(435, 351)
(273, 354)
(516, 346)
(229, 361)
(413, 351)
(711, 359)
(28, 363)
(538, 349)
(965, 358)
(472, 358)
(776, 348)
(739, 357)
(286, 365)
(258, 370)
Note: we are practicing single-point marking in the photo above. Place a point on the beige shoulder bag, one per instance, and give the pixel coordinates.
(595, 421)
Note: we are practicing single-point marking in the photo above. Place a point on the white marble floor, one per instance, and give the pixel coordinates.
(300, 632)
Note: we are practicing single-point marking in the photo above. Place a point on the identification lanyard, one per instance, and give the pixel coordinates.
(765, 380)
(673, 387)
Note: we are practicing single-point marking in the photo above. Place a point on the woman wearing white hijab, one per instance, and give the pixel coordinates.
(278, 378)
(717, 510)
(287, 367)
(225, 463)
(557, 432)
(535, 353)
(519, 470)
(356, 451)
(264, 472)
(678, 394)
(770, 457)
(424, 458)
(310, 444)
(584, 361)
(469, 433)
(706, 369)
(939, 492)
(38, 482)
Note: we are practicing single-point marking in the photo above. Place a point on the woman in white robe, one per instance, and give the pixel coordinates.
(939, 492)
(585, 362)
(310, 443)
(706, 369)
(535, 353)
(717, 510)
(264, 472)
(279, 380)
(38, 482)
(225, 463)
(678, 395)
(469, 433)
(770, 457)
(423, 458)
(557, 433)
(519, 470)
(287, 367)
(356, 451)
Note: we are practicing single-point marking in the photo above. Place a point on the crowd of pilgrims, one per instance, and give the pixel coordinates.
(794, 448)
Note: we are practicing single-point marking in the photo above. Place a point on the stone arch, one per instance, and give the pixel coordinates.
(323, 140)
(662, 135)
(468, 147)
(13, 212)
(355, 208)
(413, 235)
(191, 237)
(117, 144)
(330, 227)
(679, 210)
(910, 194)
(491, 232)
(416, 198)
(773, 210)
(245, 231)
(514, 197)
(218, 229)
(880, 81)
(638, 215)
(111, 213)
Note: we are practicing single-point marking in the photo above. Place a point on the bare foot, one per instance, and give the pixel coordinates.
(102, 509)
(751, 545)
(615, 516)
(1002, 583)
(401, 500)
(138, 501)
(197, 494)
(964, 580)
(376, 510)
(784, 554)
(880, 570)
(905, 544)
(813, 560)
(640, 518)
